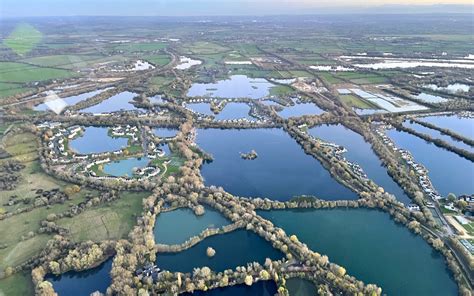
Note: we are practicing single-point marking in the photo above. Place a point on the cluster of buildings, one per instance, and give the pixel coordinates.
(125, 131)
(420, 170)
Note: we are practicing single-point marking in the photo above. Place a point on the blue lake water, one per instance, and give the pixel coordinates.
(360, 152)
(300, 110)
(125, 167)
(261, 288)
(371, 247)
(75, 283)
(96, 140)
(233, 249)
(234, 111)
(430, 98)
(461, 125)
(237, 86)
(177, 226)
(281, 171)
(165, 132)
(203, 108)
(448, 171)
(118, 102)
(72, 100)
(437, 135)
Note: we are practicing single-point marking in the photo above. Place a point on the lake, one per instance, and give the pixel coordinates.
(233, 249)
(179, 225)
(360, 152)
(281, 171)
(372, 247)
(72, 100)
(461, 125)
(448, 171)
(234, 111)
(203, 108)
(237, 86)
(428, 98)
(118, 102)
(75, 283)
(437, 135)
(97, 140)
(124, 167)
(300, 110)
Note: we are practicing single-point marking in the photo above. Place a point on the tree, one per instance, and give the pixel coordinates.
(451, 197)
(248, 280)
(210, 252)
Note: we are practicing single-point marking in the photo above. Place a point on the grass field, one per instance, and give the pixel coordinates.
(23, 147)
(158, 59)
(140, 47)
(18, 72)
(109, 221)
(19, 284)
(204, 47)
(356, 102)
(281, 90)
(10, 89)
(23, 39)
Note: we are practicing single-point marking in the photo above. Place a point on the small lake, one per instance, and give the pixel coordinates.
(164, 132)
(97, 140)
(451, 88)
(72, 100)
(234, 111)
(186, 63)
(233, 249)
(82, 283)
(118, 102)
(372, 247)
(179, 225)
(203, 108)
(237, 86)
(428, 98)
(360, 152)
(300, 110)
(125, 167)
(448, 171)
(281, 171)
(461, 125)
(437, 135)
(261, 288)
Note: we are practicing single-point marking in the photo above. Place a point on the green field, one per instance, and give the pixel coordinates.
(19, 72)
(204, 47)
(23, 39)
(19, 284)
(109, 221)
(159, 59)
(10, 89)
(354, 101)
(139, 47)
(23, 148)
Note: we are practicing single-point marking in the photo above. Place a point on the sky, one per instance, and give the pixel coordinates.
(12, 8)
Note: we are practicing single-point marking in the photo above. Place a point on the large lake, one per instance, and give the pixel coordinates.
(360, 152)
(233, 249)
(448, 171)
(281, 171)
(237, 86)
(179, 225)
(75, 283)
(118, 102)
(97, 140)
(372, 247)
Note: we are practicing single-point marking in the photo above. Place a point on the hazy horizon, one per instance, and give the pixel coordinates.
(27, 8)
